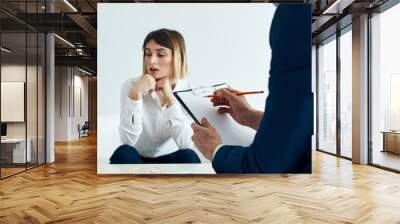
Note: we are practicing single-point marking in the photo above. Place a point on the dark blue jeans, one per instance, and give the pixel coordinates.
(126, 154)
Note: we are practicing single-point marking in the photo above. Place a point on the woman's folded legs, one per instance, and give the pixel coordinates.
(126, 154)
(180, 156)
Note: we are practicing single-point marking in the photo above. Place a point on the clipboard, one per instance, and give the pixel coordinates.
(198, 91)
(198, 106)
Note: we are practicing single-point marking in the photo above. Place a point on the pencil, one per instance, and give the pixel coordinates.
(241, 93)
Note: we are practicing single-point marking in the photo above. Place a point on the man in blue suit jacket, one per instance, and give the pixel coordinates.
(283, 140)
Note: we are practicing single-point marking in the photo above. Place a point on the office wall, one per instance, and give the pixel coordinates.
(80, 109)
(71, 102)
(33, 126)
(61, 103)
(12, 98)
(17, 73)
(92, 98)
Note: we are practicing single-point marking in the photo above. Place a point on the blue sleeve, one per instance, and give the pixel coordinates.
(283, 140)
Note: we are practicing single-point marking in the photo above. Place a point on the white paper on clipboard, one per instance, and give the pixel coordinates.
(194, 102)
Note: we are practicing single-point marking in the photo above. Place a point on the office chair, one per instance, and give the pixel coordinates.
(84, 130)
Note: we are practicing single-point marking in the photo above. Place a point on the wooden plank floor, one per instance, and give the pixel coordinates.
(10, 171)
(70, 191)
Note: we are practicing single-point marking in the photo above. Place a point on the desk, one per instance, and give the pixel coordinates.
(16, 147)
(391, 141)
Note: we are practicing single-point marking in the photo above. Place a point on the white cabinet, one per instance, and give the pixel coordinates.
(18, 149)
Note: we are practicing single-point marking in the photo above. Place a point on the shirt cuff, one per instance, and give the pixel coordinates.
(216, 150)
(134, 106)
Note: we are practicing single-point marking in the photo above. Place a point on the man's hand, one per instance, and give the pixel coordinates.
(205, 138)
(164, 91)
(237, 107)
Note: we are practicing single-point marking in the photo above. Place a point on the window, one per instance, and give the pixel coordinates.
(327, 96)
(385, 89)
(346, 93)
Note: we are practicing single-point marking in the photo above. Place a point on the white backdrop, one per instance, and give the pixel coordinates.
(224, 43)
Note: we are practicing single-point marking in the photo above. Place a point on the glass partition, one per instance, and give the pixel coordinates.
(13, 105)
(22, 64)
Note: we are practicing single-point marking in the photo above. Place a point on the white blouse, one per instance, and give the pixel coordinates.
(154, 130)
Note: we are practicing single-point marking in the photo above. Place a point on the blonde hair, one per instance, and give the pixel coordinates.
(174, 41)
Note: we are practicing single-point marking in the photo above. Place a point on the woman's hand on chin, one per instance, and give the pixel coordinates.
(164, 91)
(145, 84)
